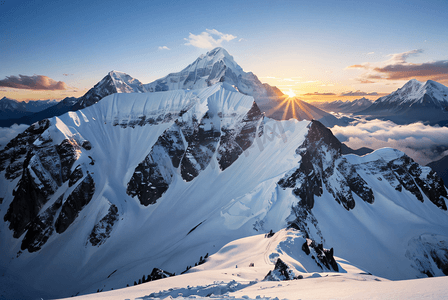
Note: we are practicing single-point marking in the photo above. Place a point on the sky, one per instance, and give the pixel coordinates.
(316, 50)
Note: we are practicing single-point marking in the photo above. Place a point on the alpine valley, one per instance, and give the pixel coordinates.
(186, 180)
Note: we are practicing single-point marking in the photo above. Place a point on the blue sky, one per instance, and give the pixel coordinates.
(319, 47)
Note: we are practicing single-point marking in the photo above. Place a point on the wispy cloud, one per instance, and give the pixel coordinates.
(422, 142)
(35, 82)
(164, 48)
(397, 68)
(208, 39)
(359, 93)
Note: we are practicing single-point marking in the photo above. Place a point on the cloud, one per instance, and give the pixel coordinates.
(421, 142)
(397, 68)
(358, 93)
(208, 39)
(164, 48)
(35, 82)
(65, 74)
(8, 133)
(319, 94)
(370, 53)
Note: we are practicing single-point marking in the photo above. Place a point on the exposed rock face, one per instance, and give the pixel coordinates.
(45, 168)
(322, 163)
(101, 231)
(323, 257)
(190, 145)
(75, 202)
(281, 272)
(41, 228)
(14, 153)
(157, 274)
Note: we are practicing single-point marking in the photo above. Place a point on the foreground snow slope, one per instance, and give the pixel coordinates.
(228, 274)
(95, 199)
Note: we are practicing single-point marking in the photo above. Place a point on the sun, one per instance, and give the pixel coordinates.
(290, 93)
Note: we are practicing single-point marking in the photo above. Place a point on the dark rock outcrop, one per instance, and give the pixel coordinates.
(281, 272)
(323, 257)
(75, 202)
(45, 168)
(190, 144)
(101, 231)
(41, 228)
(321, 159)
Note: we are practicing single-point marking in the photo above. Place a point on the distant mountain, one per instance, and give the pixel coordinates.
(10, 108)
(113, 82)
(415, 101)
(345, 106)
(441, 168)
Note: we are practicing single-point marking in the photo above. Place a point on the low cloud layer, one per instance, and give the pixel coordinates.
(397, 68)
(422, 142)
(208, 39)
(8, 133)
(35, 82)
(164, 48)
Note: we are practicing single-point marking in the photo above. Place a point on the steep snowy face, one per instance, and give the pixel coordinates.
(95, 198)
(416, 101)
(215, 66)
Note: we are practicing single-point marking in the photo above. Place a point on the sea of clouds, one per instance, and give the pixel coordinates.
(423, 143)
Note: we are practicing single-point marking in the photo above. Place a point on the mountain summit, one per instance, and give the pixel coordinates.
(415, 101)
(215, 66)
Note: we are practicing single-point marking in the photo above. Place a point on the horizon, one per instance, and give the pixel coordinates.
(320, 51)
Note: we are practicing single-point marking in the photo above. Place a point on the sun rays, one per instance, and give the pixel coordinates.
(290, 107)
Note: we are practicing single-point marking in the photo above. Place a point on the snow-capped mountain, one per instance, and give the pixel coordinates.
(219, 66)
(10, 108)
(350, 106)
(215, 66)
(113, 82)
(96, 198)
(415, 101)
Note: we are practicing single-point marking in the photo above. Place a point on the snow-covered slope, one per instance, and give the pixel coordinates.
(94, 199)
(415, 101)
(344, 106)
(239, 271)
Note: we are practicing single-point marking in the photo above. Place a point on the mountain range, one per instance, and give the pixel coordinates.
(11, 109)
(415, 101)
(215, 66)
(340, 106)
(94, 199)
